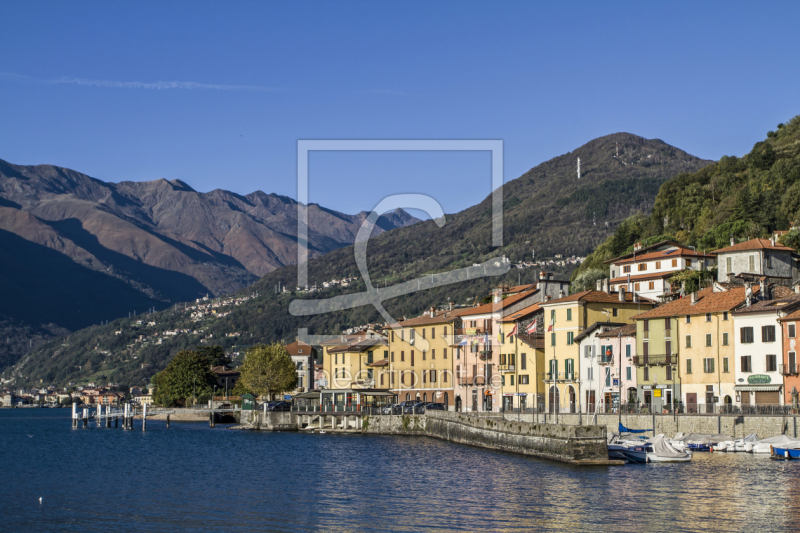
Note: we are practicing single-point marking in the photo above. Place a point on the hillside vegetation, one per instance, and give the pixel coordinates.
(741, 197)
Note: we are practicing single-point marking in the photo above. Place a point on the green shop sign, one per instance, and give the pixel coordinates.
(759, 379)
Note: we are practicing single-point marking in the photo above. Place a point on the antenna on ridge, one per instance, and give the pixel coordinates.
(579, 168)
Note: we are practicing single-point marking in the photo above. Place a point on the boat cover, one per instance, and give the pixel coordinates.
(662, 447)
(781, 441)
(623, 429)
(703, 438)
(752, 437)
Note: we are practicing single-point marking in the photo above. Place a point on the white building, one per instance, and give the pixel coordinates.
(602, 375)
(646, 270)
(758, 349)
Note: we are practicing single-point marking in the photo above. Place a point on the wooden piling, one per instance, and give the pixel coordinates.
(167, 421)
(144, 418)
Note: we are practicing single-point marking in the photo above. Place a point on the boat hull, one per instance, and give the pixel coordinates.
(785, 453)
(652, 458)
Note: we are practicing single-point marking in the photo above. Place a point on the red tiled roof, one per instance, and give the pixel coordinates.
(628, 330)
(753, 244)
(643, 250)
(522, 313)
(296, 347)
(771, 306)
(359, 346)
(382, 362)
(489, 308)
(593, 296)
(439, 317)
(708, 301)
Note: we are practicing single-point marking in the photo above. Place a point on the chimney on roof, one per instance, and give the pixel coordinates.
(764, 294)
(561, 294)
(599, 285)
(621, 293)
(605, 285)
(498, 298)
(542, 275)
(637, 246)
(733, 241)
(547, 298)
(433, 312)
(694, 297)
(450, 305)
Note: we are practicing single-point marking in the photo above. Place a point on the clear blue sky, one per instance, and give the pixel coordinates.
(86, 85)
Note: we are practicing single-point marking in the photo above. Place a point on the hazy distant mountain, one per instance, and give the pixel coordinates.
(77, 250)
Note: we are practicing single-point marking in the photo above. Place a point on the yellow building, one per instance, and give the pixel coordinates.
(521, 364)
(421, 359)
(693, 338)
(351, 362)
(565, 319)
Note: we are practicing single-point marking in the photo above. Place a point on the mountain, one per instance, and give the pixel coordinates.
(77, 250)
(547, 210)
(741, 197)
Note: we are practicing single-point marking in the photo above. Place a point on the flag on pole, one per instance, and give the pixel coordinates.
(513, 331)
(552, 324)
(532, 328)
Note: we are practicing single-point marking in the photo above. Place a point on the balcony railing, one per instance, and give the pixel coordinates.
(647, 360)
(472, 380)
(474, 331)
(605, 359)
(561, 376)
(507, 368)
(788, 370)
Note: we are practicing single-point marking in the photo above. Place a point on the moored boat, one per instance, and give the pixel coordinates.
(663, 452)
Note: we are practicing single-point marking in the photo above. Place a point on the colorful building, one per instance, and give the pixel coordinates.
(521, 364)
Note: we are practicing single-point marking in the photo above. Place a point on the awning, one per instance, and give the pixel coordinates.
(757, 388)
(376, 393)
(308, 395)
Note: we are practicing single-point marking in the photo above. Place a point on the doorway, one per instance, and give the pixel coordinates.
(691, 402)
(667, 400)
(554, 399)
(508, 403)
(572, 399)
(458, 403)
(474, 399)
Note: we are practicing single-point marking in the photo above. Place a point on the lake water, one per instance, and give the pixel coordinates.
(194, 478)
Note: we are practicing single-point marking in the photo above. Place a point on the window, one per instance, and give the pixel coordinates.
(725, 339)
(433, 376)
(402, 356)
(569, 314)
(587, 351)
(674, 262)
(512, 379)
(424, 377)
(708, 317)
(651, 285)
(688, 319)
(569, 338)
(791, 329)
(370, 357)
(688, 341)
(688, 366)
(753, 263)
(614, 312)
(772, 365)
(767, 333)
(402, 335)
(708, 340)
(433, 333)
(725, 368)
(523, 362)
(667, 326)
(668, 347)
(725, 315)
(626, 269)
(646, 374)
(728, 268)
(708, 365)
(646, 326)
(381, 379)
(552, 339)
(746, 366)
(552, 315)
(433, 353)
(658, 264)
(523, 380)
(590, 373)
(608, 377)
(444, 376)
(627, 350)
(423, 333)
(642, 267)
(503, 380)
(769, 261)
(412, 357)
(393, 336)
(444, 353)
(746, 335)
(628, 373)
(669, 373)
(635, 286)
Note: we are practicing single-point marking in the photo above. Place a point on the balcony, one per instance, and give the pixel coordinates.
(655, 360)
(472, 380)
(605, 359)
(474, 331)
(560, 376)
(507, 368)
(788, 370)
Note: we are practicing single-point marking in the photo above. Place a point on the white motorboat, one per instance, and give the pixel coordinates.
(781, 441)
(664, 452)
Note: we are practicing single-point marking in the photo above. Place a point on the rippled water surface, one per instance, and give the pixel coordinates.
(193, 478)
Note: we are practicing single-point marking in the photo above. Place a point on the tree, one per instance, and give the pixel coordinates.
(268, 370)
(587, 279)
(216, 354)
(188, 375)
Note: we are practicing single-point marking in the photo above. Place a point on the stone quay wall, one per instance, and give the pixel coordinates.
(735, 426)
(570, 444)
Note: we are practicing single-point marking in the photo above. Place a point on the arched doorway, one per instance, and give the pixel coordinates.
(572, 399)
(554, 399)
(408, 396)
(728, 404)
(425, 397)
(458, 404)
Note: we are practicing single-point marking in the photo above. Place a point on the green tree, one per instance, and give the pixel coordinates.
(187, 376)
(268, 370)
(216, 355)
(587, 279)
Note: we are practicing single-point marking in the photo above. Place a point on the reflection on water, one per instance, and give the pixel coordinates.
(192, 478)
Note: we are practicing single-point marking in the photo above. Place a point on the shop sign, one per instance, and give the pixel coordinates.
(522, 394)
(759, 379)
(508, 394)
(647, 387)
(662, 386)
(657, 393)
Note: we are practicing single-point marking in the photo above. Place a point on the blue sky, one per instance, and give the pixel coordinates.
(87, 85)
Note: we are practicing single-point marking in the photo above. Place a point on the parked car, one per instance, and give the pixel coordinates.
(279, 406)
(400, 408)
(413, 408)
(390, 409)
(435, 407)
